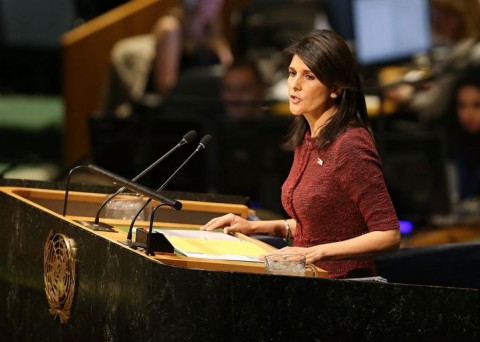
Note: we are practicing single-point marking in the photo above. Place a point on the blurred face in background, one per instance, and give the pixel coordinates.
(242, 94)
(447, 25)
(468, 108)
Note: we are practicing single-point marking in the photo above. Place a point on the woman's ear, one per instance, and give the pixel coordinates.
(335, 93)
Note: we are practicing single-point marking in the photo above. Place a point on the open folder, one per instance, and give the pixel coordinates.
(212, 245)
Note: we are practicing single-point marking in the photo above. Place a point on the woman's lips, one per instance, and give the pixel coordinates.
(294, 99)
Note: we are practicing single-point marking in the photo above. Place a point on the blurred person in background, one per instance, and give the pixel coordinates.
(243, 91)
(190, 35)
(248, 157)
(456, 34)
(463, 134)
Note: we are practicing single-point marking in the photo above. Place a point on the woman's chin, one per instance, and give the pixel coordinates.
(295, 111)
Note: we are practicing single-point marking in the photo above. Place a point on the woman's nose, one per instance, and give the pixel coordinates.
(295, 83)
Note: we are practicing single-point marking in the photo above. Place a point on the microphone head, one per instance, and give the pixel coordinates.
(189, 137)
(205, 140)
(177, 205)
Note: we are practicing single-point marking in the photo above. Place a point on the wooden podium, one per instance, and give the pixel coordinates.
(62, 281)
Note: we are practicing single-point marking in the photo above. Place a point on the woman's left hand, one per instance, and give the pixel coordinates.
(312, 254)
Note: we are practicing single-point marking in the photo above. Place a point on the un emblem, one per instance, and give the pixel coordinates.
(59, 274)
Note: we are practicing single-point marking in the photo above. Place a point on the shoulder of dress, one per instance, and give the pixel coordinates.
(356, 135)
(355, 145)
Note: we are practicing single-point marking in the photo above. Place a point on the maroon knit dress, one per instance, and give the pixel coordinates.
(336, 194)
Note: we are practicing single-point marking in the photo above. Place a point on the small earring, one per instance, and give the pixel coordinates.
(333, 95)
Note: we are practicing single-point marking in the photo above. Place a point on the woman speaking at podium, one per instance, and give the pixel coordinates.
(341, 213)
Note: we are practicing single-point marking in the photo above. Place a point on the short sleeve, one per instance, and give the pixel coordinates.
(359, 173)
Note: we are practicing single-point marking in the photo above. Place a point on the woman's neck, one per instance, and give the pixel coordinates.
(318, 122)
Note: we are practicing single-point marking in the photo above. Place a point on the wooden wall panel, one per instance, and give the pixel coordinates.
(86, 55)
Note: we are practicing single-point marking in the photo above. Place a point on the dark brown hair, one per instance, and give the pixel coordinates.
(327, 55)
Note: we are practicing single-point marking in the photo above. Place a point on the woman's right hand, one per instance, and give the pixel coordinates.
(230, 223)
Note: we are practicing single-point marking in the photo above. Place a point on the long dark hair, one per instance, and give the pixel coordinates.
(327, 55)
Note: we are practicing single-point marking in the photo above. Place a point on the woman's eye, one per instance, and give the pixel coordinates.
(291, 73)
(310, 77)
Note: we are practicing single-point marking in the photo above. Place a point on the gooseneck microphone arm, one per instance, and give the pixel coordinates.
(67, 186)
(201, 146)
(149, 249)
(188, 137)
(138, 188)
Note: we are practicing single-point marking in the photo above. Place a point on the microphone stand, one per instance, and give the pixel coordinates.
(67, 186)
(149, 249)
(96, 225)
(186, 139)
(125, 183)
(200, 146)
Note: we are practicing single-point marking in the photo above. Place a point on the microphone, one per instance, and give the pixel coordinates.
(187, 138)
(138, 188)
(201, 145)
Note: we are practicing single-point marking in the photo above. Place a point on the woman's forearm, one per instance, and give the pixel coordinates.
(362, 246)
(274, 227)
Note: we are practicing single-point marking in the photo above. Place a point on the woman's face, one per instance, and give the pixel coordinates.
(468, 108)
(307, 95)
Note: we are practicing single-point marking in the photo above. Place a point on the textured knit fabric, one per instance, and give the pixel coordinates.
(336, 194)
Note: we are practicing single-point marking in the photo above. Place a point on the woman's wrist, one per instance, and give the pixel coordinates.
(269, 227)
(254, 227)
(318, 253)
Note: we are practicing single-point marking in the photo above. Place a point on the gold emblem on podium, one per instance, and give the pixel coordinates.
(59, 274)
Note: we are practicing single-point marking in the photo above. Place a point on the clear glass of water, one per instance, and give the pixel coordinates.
(286, 264)
(125, 206)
